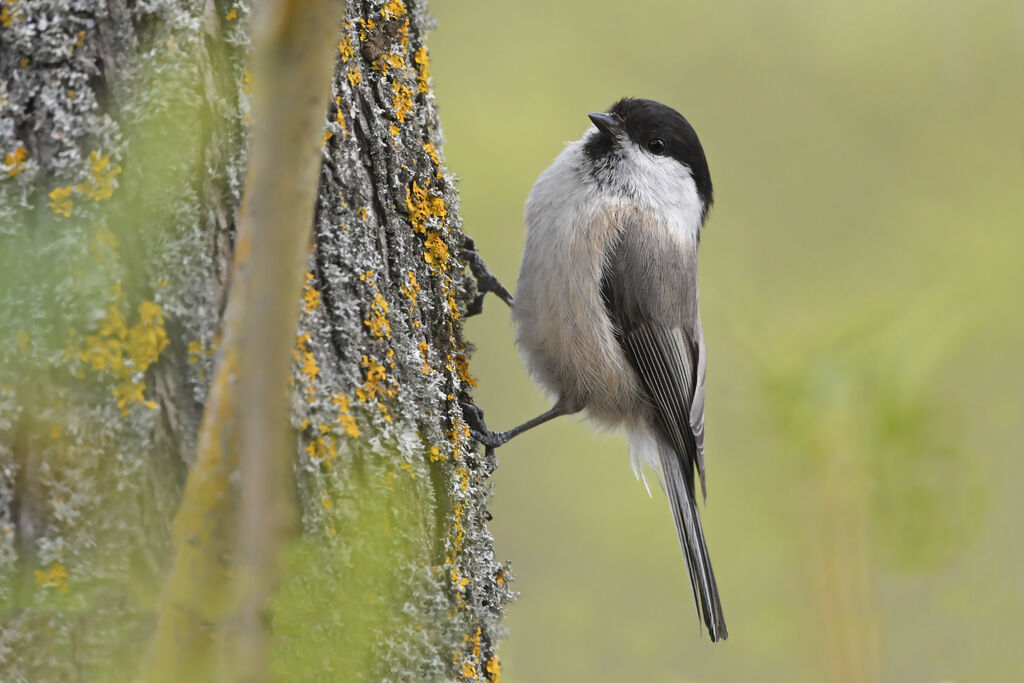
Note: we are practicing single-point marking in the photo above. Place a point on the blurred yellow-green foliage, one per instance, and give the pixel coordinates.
(861, 292)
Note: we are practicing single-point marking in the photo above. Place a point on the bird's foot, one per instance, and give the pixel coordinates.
(486, 281)
(478, 428)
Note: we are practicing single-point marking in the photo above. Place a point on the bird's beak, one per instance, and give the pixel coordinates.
(607, 123)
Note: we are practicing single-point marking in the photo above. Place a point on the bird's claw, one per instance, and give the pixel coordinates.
(478, 428)
(486, 281)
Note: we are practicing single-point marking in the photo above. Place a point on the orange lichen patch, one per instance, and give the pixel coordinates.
(469, 671)
(354, 77)
(60, 201)
(407, 466)
(338, 115)
(411, 289)
(345, 418)
(305, 358)
(494, 668)
(327, 136)
(365, 26)
(247, 82)
(422, 60)
(345, 49)
(326, 502)
(100, 185)
(436, 251)
(323, 448)
(475, 639)
(426, 369)
(423, 206)
(9, 14)
(15, 161)
(428, 147)
(458, 579)
(401, 100)
(388, 61)
(435, 454)
(56, 576)
(393, 9)
(462, 369)
(231, 15)
(362, 213)
(194, 349)
(394, 130)
(127, 352)
(378, 321)
(377, 382)
(310, 294)
(463, 475)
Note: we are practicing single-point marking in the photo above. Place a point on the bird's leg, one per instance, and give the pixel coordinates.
(485, 279)
(479, 431)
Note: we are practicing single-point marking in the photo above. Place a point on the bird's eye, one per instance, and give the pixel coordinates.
(656, 146)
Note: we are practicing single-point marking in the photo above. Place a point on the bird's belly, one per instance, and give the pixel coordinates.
(564, 331)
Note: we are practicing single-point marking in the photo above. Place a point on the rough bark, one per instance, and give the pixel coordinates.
(123, 133)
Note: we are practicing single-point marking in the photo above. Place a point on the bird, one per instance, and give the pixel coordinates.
(606, 305)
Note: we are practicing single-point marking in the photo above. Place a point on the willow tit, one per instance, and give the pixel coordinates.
(606, 305)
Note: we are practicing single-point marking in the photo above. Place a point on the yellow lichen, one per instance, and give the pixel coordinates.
(338, 115)
(247, 82)
(401, 100)
(428, 147)
(393, 8)
(345, 49)
(305, 358)
(388, 61)
(327, 136)
(494, 668)
(423, 206)
(344, 417)
(326, 502)
(100, 185)
(127, 352)
(9, 14)
(394, 130)
(310, 294)
(436, 251)
(60, 201)
(232, 14)
(354, 77)
(56, 576)
(462, 369)
(15, 161)
(411, 289)
(365, 26)
(422, 60)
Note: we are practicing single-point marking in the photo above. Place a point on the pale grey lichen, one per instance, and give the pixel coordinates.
(123, 129)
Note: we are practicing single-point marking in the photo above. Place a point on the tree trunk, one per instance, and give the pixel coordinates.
(124, 129)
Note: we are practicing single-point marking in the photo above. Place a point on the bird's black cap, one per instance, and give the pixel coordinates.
(644, 120)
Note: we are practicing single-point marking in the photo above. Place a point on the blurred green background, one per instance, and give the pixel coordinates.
(861, 287)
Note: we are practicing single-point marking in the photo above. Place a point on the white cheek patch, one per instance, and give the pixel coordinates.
(665, 186)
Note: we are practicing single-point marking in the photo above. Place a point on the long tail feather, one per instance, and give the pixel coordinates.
(691, 538)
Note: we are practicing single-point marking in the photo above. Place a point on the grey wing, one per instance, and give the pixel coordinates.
(649, 290)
